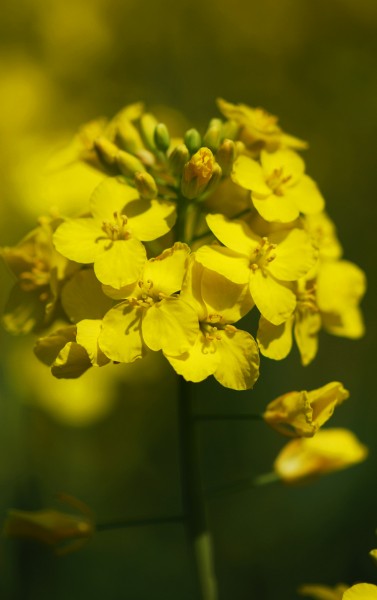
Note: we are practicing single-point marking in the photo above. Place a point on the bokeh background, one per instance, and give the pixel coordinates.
(110, 438)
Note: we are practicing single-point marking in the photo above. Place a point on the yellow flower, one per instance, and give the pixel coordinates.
(323, 232)
(40, 271)
(301, 414)
(280, 190)
(111, 237)
(258, 128)
(322, 592)
(361, 591)
(152, 314)
(340, 287)
(267, 265)
(221, 350)
(373, 554)
(64, 531)
(329, 450)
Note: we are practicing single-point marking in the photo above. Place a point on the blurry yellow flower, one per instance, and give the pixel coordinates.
(221, 350)
(152, 314)
(329, 450)
(323, 232)
(323, 592)
(301, 414)
(373, 554)
(267, 265)
(280, 190)
(361, 591)
(258, 128)
(111, 238)
(64, 531)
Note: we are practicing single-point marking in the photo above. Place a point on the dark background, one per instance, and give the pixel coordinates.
(111, 438)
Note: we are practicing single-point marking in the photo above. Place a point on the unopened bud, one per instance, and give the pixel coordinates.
(128, 163)
(212, 137)
(230, 130)
(178, 158)
(147, 126)
(193, 140)
(226, 155)
(217, 174)
(145, 185)
(106, 150)
(162, 137)
(128, 136)
(197, 173)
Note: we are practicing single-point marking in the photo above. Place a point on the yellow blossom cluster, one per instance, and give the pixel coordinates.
(180, 240)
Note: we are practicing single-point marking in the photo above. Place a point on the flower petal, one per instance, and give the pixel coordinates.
(249, 174)
(80, 240)
(71, 362)
(150, 219)
(307, 326)
(276, 208)
(88, 331)
(274, 299)
(239, 362)
(111, 196)
(121, 263)
(120, 338)
(166, 271)
(221, 296)
(289, 162)
(82, 297)
(199, 362)
(233, 266)
(275, 341)
(306, 196)
(295, 254)
(170, 325)
(235, 235)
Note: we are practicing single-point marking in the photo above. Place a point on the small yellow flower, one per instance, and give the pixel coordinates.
(323, 232)
(280, 190)
(111, 238)
(301, 414)
(361, 591)
(258, 128)
(329, 450)
(323, 592)
(266, 265)
(221, 350)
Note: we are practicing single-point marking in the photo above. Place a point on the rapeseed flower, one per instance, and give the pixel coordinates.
(301, 414)
(112, 238)
(266, 265)
(152, 314)
(280, 190)
(221, 350)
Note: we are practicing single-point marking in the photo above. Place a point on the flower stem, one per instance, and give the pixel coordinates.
(198, 537)
(138, 522)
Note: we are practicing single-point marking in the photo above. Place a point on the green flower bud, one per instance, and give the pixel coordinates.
(106, 150)
(226, 155)
(128, 163)
(147, 126)
(128, 137)
(162, 137)
(230, 130)
(193, 140)
(212, 137)
(178, 158)
(145, 185)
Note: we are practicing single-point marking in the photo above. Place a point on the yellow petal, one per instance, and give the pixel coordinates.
(276, 208)
(82, 297)
(47, 348)
(306, 196)
(239, 360)
(120, 338)
(275, 300)
(111, 196)
(249, 174)
(306, 329)
(340, 285)
(170, 325)
(223, 297)
(361, 591)
(121, 263)
(295, 254)
(80, 239)
(235, 235)
(71, 362)
(199, 362)
(166, 271)
(150, 219)
(88, 331)
(288, 162)
(233, 266)
(275, 341)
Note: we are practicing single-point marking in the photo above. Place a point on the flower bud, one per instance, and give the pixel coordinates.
(146, 185)
(197, 173)
(213, 182)
(193, 140)
(329, 450)
(162, 137)
(178, 158)
(128, 163)
(212, 137)
(147, 126)
(106, 150)
(226, 156)
(230, 130)
(128, 137)
(301, 414)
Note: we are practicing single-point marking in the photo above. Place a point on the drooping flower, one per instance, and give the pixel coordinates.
(301, 414)
(329, 450)
(258, 128)
(221, 350)
(112, 238)
(266, 265)
(280, 190)
(152, 314)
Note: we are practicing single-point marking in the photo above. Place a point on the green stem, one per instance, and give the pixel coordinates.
(198, 537)
(139, 522)
(241, 485)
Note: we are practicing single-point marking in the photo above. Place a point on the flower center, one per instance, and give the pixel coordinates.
(306, 300)
(117, 229)
(276, 181)
(39, 275)
(263, 255)
(264, 121)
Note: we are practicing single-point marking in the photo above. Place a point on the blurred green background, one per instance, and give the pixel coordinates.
(110, 438)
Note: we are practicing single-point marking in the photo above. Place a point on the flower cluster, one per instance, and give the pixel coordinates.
(181, 239)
